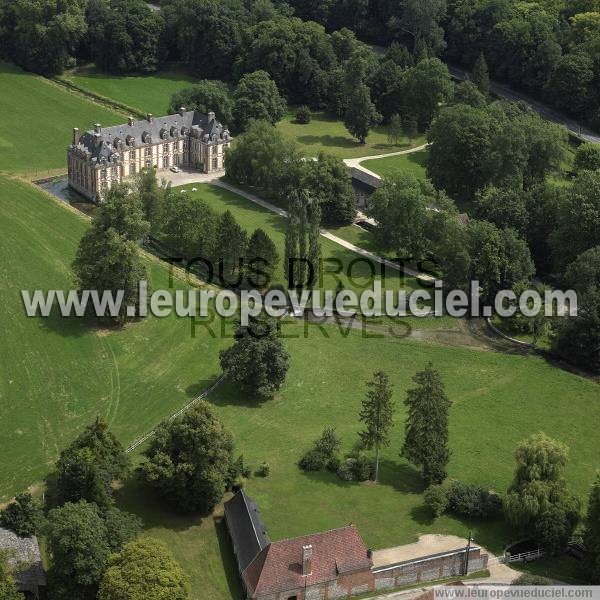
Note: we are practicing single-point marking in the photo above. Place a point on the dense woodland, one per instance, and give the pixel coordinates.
(549, 48)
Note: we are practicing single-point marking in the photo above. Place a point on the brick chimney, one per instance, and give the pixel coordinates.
(307, 552)
(97, 128)
(75, 136)
(181, 111)
(149, 117)
(130, 121)
(211, 116)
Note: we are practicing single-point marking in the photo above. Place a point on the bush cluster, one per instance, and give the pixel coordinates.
(323, 454)
(356, 468)
(463, 499)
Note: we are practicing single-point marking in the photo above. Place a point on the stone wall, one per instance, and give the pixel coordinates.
(430, 568)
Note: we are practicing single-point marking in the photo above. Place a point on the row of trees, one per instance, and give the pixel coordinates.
(263, 158)
(426, 428)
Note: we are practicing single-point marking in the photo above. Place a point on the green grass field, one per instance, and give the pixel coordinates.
(147, 93)
(57, 374)
(355, 276)
(37, 120)
(403, 163)
(497, 400)
(327, 134)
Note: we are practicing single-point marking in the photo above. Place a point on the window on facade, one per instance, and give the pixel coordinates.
(215, 163)
(149, 151)
(132, 168)
(103, 174)
(165, 161)
(165, 147)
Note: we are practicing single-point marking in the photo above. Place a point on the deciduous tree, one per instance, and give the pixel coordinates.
(361, 114)
(205, 96)
(23, 516)
(257, 98)
(538, 502)
(189, 459)
(144, 570)
(257, 360)
(8, 587)
(591, 537)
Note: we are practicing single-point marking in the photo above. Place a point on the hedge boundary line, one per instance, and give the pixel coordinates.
(108, 102)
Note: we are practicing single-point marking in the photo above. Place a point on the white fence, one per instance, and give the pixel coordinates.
(524, 556)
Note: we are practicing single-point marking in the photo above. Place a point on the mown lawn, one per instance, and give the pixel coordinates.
(327, 134)
(37, 120)
(497, 400)
(57, 374)
(339, 264)
(414, 163)
(147, 93)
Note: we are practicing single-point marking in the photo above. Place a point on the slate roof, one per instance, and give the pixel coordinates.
(25, 554)
(247, 531)
(173, 125)
(278, 567)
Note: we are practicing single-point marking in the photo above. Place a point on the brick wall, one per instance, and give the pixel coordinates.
(440, 566)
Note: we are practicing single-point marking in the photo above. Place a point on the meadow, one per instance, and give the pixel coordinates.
(146, 93)
(57, 374)
(498, 399)
(37, 120)
(414, 163)
(328, 134)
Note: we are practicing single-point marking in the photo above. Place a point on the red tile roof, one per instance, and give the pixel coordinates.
(278, 567)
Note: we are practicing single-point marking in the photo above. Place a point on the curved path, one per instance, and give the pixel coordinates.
(355, 163)
(326, 234)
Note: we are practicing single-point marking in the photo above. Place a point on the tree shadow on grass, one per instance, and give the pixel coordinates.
(422, 515)
(195, 389)
(329, 141)
(229, 393)
(400, 476)
(228, 558)
(139, 499)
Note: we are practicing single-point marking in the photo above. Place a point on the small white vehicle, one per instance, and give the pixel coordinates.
(175, 169)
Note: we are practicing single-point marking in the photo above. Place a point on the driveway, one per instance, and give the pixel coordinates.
(187, 176)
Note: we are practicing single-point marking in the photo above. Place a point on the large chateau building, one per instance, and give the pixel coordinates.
(103, 157)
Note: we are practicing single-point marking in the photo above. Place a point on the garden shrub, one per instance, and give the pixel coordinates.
(436, 497)
(313, 460)
(323, 454)
(303, 115)
(264, 469)
(471, 500)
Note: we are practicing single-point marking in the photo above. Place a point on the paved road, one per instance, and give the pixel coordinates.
(545, 111)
